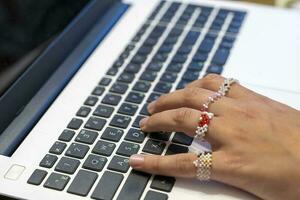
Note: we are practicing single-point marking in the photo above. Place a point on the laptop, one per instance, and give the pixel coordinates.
(71, 101)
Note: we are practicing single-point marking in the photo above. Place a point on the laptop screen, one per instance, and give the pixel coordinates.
(27, 26)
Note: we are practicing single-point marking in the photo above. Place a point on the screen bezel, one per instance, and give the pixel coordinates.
(24, 89)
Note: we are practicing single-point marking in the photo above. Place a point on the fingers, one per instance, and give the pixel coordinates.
(184, 120)
(179, 165)
(191, 97)
(213, 82)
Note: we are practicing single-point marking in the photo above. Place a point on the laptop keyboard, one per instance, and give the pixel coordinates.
(176, 45)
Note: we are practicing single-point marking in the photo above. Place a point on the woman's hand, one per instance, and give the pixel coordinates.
(255, 140)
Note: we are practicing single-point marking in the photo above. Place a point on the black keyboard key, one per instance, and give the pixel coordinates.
(169, 77)
(200, 57)
(171, 40)
(95, 163)
(191, 75)
(151, 195)
(82, 183)
(57, 181)
(153, 96)
(119, 88)
(165, 48)
(134, 186)
(67, 165)
(228, 39)
(37, 177)
(215, 69)
(160, 136)
(107, 186)
(66, 135)
(128, 109)
(135, 97)
(132, 68)
(142, 86)
(144, 110)
(112, 134)
(191, 37)
(182, 138)
(137, 120)
(83, 111)
(195, 66)
(220, 56)
(123, 56)
(185, 49)
(48, 161)
(174, 67)
(154, 147)
(160, 57)
(75, 123)
(226, 45)
(148, 75)
(58, 148)
(179, 58)
(119, 164)
(150, 42)
(145, 50)
(103, 111)
(139, 59)
(120, 121)
(176, 149)
(128, 149)
(77, 150)
(98, 91)
(104, 148)
(112, 71)
(182, 84)
(206, 45)
(175, 32)
(118, 63)
(105, 81)
(155, 66)
(126, 77)
(86, 136)
(163, 183)
(211, 35)
(111, 99)
(95, 123)
(163, 87)
(135, 135)
(91, 101)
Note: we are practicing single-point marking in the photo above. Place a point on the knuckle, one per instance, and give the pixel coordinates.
(190, 93)
(182, 114)
(181, 163)
(160, 102)
(210, 80)
(156, 164)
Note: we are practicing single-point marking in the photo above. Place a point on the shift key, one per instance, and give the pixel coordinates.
(134, 186)
(107, 186)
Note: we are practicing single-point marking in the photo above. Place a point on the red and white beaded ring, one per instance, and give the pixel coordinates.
(203, 123)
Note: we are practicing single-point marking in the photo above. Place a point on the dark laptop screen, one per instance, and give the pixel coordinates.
(26, 27)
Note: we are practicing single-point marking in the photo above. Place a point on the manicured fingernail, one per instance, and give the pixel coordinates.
(143, 122)
(151, 107)
(136, 160)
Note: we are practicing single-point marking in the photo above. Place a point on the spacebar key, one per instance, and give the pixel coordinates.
(134, 186)
(107, 186)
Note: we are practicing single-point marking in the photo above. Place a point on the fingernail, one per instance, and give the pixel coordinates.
(136, 160)
(143, 122)
(151, 107)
